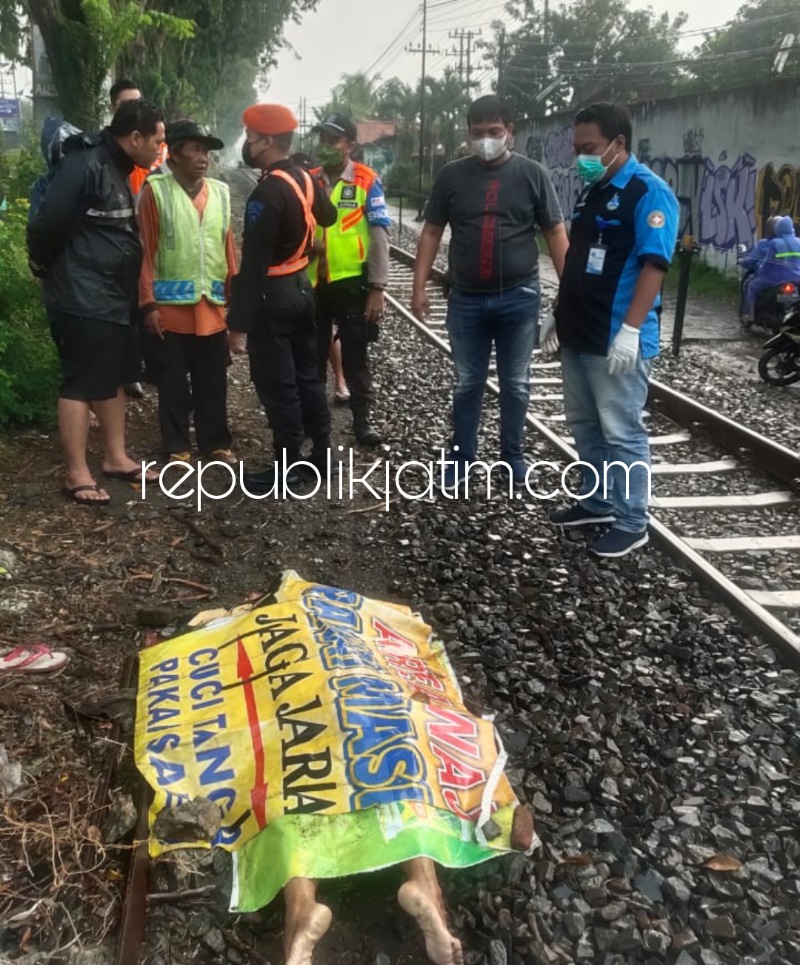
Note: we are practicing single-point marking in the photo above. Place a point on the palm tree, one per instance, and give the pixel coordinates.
(399, 102)
(447, 101)
(355, 95)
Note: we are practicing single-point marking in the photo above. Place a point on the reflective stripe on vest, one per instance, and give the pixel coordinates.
(299, 260)
(191, 261)
(347, 242)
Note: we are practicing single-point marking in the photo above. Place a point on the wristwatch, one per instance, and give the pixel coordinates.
(377, 288)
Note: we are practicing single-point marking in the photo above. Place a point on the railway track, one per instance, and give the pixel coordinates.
(695, 449)
(691, 444)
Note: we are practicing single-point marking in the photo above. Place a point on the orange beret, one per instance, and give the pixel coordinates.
(269, 119)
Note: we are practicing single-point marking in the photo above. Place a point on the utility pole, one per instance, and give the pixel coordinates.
(424, 50)
(501, 63)
(465, 37)
(459, 36)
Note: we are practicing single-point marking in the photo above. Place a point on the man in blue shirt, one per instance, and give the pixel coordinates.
(607, 320)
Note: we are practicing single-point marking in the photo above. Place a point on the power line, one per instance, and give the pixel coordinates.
(685, 62)
(399, 38)
(424, 50)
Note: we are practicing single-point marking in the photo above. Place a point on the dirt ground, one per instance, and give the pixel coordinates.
(85, 581)
(95, 583)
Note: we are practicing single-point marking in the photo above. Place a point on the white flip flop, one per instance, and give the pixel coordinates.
(36, 658)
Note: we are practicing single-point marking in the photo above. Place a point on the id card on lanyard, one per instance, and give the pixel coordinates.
(597, 253)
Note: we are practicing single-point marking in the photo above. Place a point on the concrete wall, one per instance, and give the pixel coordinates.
(732, 158)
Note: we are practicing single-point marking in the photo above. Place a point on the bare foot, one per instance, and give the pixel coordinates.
(303, 934)
(441, 946)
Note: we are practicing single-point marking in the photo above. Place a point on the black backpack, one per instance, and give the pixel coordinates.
(59, 137)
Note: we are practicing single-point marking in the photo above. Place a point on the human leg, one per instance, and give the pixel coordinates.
(306, 920)
(116, 461)
(273, 372)
(350, 317)
(174, 398)
(324, 323)
(471, 343)
(316, 414)
(754, 285)
(81, 346)
(421, 897)
(620, 401)
(340, 391)
(515, 316)
(209, 373)
(73, 428)
(583, 420)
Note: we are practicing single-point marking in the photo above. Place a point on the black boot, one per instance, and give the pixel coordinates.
(366, 435)
(319, 454)
(265, 481)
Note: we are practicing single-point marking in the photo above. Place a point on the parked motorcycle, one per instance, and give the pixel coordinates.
(780, 363)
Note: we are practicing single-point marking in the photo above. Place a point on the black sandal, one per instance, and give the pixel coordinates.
(72, 493)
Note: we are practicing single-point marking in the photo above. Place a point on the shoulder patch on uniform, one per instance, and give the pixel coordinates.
(253, 211)
(656, 219)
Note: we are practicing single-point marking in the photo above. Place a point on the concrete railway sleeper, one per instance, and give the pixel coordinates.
(740, 450)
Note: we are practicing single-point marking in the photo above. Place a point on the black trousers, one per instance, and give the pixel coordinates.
(284, 364)
(343, 303)
(204, 360)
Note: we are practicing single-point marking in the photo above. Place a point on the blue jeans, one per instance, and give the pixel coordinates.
(604, 414)
(508, 319)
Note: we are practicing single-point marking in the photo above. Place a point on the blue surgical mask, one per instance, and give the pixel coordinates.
(591, 168)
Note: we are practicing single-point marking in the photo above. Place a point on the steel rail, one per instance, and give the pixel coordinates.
(772, 457)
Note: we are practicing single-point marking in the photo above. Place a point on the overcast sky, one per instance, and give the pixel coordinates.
(347, 36)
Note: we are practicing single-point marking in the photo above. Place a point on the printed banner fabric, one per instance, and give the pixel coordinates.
(323, 702)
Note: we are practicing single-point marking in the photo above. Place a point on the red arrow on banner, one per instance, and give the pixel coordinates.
(258, 795)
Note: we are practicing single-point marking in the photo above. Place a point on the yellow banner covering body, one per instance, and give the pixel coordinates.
(323, 702)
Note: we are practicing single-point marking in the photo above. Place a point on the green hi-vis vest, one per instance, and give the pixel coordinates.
(191, 261)
(347, 242)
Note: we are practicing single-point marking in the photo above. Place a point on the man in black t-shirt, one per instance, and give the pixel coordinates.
(493, 200)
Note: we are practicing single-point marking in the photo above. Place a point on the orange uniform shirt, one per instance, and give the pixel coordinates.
(204, 318)
(138, 176)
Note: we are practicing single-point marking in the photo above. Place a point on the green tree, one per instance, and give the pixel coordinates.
(212, 76)
(745, 51)
(355, 95)
(447, 101)
(584, 50)
(199, 57)
(83, 39)
(399, 102)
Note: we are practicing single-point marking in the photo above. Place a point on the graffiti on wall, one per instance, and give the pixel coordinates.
(717, 198)
(777, 192)
(725, 198)
(556, 152)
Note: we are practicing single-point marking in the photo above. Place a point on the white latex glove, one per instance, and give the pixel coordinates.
(624, 351)
(548, 339)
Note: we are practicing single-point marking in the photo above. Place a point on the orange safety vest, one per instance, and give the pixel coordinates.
(299, 260)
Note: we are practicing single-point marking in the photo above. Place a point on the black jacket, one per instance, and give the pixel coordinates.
(274, 226)
(84, 241)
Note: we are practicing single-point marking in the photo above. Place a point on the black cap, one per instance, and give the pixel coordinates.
(338, 125)
(189, 131)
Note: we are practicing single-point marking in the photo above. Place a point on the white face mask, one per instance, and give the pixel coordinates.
(489, 148)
